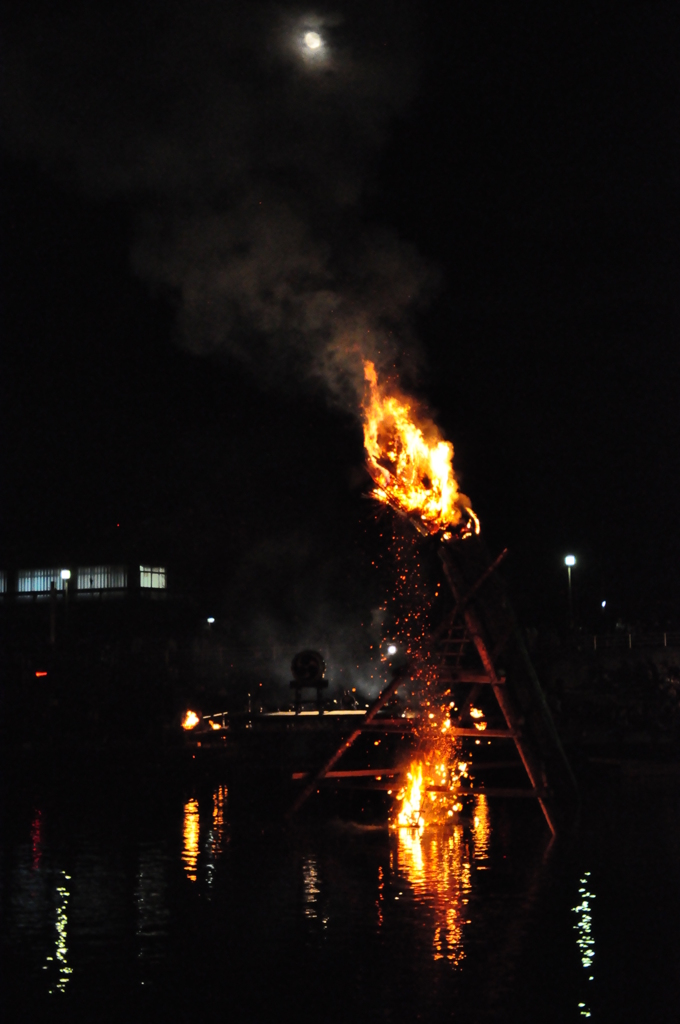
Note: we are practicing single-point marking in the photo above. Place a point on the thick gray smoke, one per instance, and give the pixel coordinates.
(247, 154)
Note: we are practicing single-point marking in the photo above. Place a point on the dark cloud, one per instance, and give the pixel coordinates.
(245, 155)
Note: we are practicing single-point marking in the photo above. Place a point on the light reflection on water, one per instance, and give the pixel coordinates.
(585, 939)
(419, 906)
(59, 956)
(191, 833)
(151, 903)
(481, 829)
(310, 883)
(436, 863)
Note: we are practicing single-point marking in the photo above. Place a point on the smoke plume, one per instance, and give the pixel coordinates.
(246, 156)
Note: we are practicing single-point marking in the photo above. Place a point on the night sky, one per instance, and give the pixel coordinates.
(190, 207)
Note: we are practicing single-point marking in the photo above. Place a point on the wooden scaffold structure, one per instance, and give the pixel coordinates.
(480, 656)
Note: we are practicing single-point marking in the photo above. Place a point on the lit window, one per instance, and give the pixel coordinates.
(152, 576)
(102, 577)
(36, 581)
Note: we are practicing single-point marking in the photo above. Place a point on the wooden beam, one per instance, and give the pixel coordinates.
(399, 677)
(463, 602)
(531, 764)
(491, 791)
(359, 773)
(454, 675)
(492, 734)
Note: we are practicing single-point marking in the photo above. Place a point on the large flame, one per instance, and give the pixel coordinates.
(411, 466)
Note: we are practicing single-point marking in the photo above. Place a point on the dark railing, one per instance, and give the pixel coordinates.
(623, 640)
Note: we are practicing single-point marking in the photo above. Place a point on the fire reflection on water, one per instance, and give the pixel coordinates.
(437, 863)
(481, 829)
(216, 834)
(191, 833)
(214, 840)
(310, 883)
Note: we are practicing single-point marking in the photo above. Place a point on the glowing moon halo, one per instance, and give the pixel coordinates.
(312, 40)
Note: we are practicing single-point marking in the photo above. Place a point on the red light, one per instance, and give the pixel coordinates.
(41, 673)
(117, 524)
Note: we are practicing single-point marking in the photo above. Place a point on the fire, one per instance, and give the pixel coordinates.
(409, 815)
(190, 720)
(410, 464)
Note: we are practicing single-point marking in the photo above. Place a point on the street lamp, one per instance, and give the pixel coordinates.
(570, 562)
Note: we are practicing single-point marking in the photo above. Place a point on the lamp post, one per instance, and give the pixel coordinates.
(570, 562)
(65, 575)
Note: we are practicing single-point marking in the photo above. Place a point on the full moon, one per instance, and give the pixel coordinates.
(312, 40)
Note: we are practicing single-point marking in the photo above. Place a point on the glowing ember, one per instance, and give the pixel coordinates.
(409, 815)
(410, 464)
(190, 720)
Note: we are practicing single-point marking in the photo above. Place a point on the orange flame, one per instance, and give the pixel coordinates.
(409, 815)
(190, 720)
(410, 464)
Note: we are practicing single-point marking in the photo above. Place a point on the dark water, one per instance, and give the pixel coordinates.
(132, 893)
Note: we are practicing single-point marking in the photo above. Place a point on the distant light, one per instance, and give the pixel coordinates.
(392, 649)
(570, 560)
(604, 604)
(211, 620)
(65, 574)
(38, 674)
(313, 40)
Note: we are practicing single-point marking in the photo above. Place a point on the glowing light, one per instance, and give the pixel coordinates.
(583, 926)
(60, 958)
(313, 40)
(392, 649)
(476, 713)
(191, 834)
(604, 604)
(190, 720)
(436, 866)
(65, 574)
(211, 620)
(409, 815)
(411, 466)
(570, 560)
(39, 674)
(215, 841)
(481, 830)
(310, 883)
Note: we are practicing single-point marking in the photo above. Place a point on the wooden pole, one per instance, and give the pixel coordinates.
(53, 614)
(512, 719)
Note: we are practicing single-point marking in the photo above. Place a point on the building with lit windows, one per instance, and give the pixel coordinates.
(84, 582)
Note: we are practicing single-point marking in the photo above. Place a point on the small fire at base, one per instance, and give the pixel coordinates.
(410, 814)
